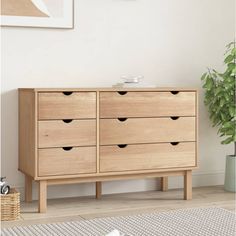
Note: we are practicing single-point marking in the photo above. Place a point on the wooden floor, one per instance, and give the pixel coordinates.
(80, 208)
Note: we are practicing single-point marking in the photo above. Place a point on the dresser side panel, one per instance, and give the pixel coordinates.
(197, 127)
(27, 132)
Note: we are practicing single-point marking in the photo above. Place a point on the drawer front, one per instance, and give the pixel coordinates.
(66, 105)
(62, 133)
(147, 104)
(147, 157)
(57, 161)
(146, 130)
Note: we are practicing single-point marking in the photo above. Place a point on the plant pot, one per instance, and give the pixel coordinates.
(230, 175)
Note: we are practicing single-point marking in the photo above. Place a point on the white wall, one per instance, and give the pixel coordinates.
(170, 42)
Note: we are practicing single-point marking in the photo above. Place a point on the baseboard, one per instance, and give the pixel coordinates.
(200, 179)
(125, 186)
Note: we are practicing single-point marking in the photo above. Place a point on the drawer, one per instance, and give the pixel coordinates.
(66, 105)
(57, 161)
(146, 130)
(61, 133)
(147, 156)
(147, 104)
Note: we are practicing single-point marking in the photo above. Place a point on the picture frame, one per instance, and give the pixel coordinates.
(37, 13)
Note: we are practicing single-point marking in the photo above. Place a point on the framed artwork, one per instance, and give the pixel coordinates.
(38, 13)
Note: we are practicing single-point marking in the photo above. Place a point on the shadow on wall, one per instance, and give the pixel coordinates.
(9, 138)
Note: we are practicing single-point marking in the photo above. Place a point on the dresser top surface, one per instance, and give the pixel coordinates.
(110, 89)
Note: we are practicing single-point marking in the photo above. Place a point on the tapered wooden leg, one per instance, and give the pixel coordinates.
(42, 204)
(98, 190)
(28, 188)
(188, 185)
(164, 184)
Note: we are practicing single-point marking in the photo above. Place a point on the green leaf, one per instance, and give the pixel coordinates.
(203, 76)
(234, 138)
(233, 51)
(234, 71)
(229, 132)
(222, 102)
(217, 91)
(228, 59)
(227, 141)
(230, 44)
(231, 66)
(209, 83)
(232, 111)
(226, 125)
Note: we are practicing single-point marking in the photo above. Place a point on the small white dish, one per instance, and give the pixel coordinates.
(131, 79)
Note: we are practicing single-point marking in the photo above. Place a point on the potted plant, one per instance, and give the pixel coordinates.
(220, 98)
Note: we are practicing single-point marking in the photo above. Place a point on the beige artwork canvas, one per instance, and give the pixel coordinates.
(37, 13)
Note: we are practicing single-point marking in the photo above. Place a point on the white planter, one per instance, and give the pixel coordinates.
(230, 175)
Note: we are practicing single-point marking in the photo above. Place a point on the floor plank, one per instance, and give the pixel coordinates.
(68, 209)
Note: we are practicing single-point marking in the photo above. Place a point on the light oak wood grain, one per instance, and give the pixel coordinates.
(146, 130)
(146, 156)
(164, 184)
(57, 133)
(197, 127)
(28, 188)
(107, 176)
(93, 157)
(27, 132)
(113, 89)
(115, 176)
(146, 104)
(57, 161)
(78, 105)
(188, 185)
(98, 190)
(97, 131)
(42, 206)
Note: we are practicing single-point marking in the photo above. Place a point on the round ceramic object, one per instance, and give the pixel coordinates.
(230, 175)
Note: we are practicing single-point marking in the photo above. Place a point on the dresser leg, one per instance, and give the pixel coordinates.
(28, 188)
(98, 190)
(164, 184)
(42, 204)
(188, 185)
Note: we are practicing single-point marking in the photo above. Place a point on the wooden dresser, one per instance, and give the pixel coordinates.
(69, 136)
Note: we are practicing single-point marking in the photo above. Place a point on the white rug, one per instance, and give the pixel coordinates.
(189, 222)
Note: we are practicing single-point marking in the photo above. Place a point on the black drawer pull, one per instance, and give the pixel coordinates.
(67, 93)
(122, 119)
(122, 145)
(67, 120)
(174, 92)
(174, 117)
(67, 148)
(174, 143)
(122, 92)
